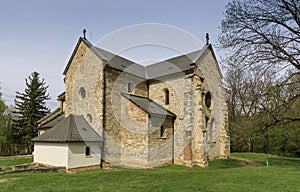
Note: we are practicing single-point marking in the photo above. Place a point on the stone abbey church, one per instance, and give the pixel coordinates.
(115, 111)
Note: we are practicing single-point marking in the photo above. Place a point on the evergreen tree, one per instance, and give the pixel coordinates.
(30, 107)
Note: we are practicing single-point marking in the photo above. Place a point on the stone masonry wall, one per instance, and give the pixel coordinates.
(126, 124)
(134, 139)
(160, 144)
(200, 113)
(217, 120)
(181, 104)
(84, 85)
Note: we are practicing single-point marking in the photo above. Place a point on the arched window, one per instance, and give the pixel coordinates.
(129, 87)
(87, 151)
(167, 96)
(82, 92)
(208, 99)
(89, 118)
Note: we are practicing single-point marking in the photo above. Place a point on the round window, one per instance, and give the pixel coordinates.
(208, 99)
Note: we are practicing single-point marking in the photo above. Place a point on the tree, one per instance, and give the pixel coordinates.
(261, 40)
(262, 32)
(3, 123)
(3, 108)
(8, 144)
(263, 113)
(245, 94)
(30, 107)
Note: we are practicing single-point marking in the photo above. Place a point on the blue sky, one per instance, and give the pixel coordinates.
(39, 35)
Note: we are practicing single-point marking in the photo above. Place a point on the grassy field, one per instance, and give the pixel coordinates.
(7, 162)
(282, 174)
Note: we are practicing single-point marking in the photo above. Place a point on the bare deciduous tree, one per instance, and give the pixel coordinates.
(262, 32)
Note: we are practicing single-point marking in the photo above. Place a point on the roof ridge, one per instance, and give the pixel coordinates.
(155, 70)
(201, 51)
(145, 66)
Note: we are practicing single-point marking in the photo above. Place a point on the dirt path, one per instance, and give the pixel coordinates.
(247, 162)
(6, 180)
(3, 180)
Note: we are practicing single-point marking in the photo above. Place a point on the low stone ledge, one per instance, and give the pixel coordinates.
(85, 168)
(34, 167)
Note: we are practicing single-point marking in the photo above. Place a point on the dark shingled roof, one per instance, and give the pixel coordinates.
(71, 129)
(153, 71)
(163, 68)
(122, 64)
(53, 122)
(148, 105)
(169, 67)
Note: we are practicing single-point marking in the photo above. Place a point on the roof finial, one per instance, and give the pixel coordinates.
(207, 38)
(84, 31)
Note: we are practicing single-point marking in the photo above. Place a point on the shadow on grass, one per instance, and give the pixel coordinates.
(273, 160)
(282, 161)
(225, 163)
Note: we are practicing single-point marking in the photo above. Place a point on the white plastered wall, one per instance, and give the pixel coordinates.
(49, 153)
(77, 157)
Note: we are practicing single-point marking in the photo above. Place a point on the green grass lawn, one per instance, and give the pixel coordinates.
(7, 162)
(283, 174)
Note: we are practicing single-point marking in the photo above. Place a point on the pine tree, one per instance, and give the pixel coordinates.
(30, 107)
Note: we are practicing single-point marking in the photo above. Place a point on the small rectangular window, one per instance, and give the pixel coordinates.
(162, 131)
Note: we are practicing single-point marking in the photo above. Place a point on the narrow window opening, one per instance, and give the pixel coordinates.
(87, 151)
(82, 92)
(89, 118)
(162, 131)
(208, 99)
(167, 96)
